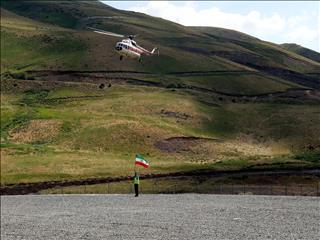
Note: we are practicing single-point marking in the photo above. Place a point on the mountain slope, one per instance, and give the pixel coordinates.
(213, 99)
(182, 48)
(308, 53)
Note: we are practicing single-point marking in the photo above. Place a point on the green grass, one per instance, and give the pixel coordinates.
(313, 156)
(238, 83)
(17, 51)
(45, 13)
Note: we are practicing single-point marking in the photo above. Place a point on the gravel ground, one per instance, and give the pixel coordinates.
(184, 216)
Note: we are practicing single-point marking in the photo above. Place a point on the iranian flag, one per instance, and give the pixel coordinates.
(141, 161)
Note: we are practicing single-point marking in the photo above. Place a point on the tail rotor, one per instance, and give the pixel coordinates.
(155, 51)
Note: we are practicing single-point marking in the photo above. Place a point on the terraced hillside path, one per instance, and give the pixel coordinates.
(139, 78)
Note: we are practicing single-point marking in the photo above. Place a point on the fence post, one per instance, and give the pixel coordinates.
(244, 188)
(317, 193)
(286, 190)
(154, 186)
(231, 188)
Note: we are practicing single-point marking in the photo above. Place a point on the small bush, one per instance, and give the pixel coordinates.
(175, 85)
(20, 75)
(66, 127)
(171, 85)
(33, 96)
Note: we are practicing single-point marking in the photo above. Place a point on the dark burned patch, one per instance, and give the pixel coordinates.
(180, 144)
(179, 115)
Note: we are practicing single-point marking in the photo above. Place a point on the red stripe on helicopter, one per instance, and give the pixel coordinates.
(134, 50)
(137, 50)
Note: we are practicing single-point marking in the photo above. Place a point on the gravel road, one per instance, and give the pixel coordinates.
(181, 216)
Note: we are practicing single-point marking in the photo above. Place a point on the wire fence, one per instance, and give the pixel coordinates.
(175, 188)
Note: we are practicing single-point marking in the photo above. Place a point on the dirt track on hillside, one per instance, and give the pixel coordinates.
(138, 78)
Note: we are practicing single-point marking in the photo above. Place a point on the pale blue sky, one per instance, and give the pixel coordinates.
(275, 21)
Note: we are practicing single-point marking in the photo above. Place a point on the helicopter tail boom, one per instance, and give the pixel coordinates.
(154, 50)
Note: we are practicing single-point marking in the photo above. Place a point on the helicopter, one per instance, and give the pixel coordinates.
(128, 47)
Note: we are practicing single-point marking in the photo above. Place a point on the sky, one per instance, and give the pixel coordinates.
(274, 21)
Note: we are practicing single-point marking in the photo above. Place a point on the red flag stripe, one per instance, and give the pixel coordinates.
(142, 164)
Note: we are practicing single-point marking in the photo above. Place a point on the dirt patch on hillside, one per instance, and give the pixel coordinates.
(250, 149)
(180, 144)
(39, 130)
(205, 150)
(172, 114)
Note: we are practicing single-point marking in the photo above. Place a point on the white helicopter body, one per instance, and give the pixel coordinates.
(128, 47)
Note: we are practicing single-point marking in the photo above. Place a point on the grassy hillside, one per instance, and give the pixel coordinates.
(96, 133)
(214, 98)
(308, 53)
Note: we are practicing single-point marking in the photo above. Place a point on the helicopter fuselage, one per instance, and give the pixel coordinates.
(126, 49)
(129, 48)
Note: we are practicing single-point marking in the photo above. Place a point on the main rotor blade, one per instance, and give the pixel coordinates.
(106, 33)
